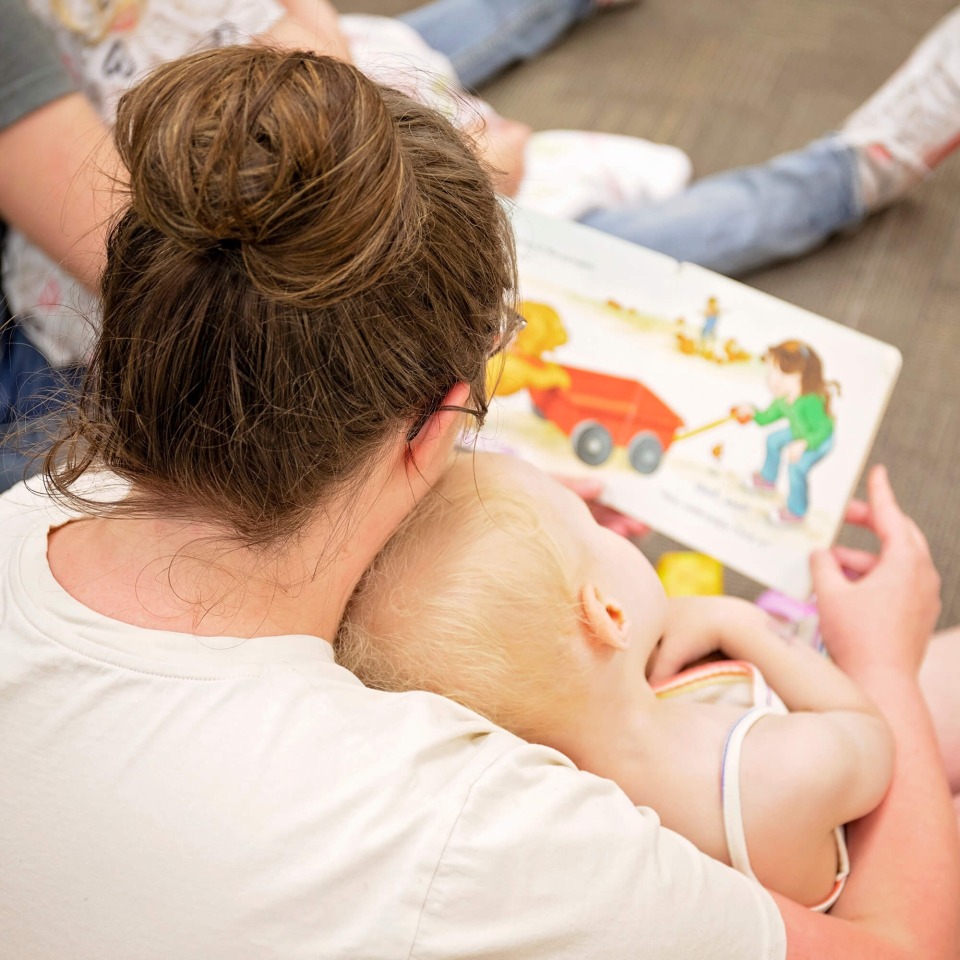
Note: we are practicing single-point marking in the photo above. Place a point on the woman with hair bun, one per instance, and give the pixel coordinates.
(299, 303)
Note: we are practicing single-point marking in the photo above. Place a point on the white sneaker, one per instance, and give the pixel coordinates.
(568, 173)
(913, 121)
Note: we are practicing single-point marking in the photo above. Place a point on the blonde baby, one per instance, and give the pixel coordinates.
(501, 592)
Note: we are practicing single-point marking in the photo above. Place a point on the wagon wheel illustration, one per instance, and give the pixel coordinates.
(644, 452)
(592, 442)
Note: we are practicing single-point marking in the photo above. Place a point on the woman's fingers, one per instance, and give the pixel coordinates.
(857, 562)
(616, 521)
(917, 536)
(583, 487)
(881, 513)
(858, 514)
(827, 573)
(590, 490)
(889, 521)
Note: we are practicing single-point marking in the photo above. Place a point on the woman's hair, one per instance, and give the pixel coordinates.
(307, 264)
(794, 356)
(471, 599)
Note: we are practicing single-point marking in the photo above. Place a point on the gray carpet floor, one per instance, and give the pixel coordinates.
(736, 81)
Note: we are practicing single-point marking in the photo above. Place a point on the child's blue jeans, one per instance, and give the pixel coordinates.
(32, 394)
(730, 222)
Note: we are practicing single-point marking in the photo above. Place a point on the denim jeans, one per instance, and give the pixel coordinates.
(32, 397)
(731, 222)
(742, 219)
(483, 37)
(798, 497)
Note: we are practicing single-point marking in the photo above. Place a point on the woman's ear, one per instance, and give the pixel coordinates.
(429, 450)
(603, 619)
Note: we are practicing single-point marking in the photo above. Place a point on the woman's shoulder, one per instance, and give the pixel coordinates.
(28, 502)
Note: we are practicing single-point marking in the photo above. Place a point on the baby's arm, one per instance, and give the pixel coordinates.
(828, 762)
(311, 25)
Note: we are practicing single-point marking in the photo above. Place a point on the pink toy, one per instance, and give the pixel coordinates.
(801, 617)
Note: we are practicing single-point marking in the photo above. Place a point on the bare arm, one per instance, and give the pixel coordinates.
(827, 762)
(903, 897)
(312, 25)
(57, 164)
(802, 678)
(56, 183)
(832, 719)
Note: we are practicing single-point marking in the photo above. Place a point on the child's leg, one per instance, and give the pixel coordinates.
(483, 37)
(743, 219)
(29, 386)
(798, 498)
(776, 441)
(736, 221)
(913, 121)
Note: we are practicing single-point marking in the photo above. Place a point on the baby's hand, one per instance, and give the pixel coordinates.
(697, 627)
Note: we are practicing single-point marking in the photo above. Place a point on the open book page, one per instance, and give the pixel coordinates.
(719, 415)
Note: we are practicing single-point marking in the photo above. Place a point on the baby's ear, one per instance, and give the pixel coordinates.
(603, 618)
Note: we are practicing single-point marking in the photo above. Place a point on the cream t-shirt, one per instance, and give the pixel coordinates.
(165, 796)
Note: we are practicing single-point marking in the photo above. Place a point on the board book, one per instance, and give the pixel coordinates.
(727, 419)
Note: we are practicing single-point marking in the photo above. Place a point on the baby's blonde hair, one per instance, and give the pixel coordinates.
(471, 599)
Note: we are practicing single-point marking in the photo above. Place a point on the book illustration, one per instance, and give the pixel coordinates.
(711, 411)
(704, 343)
(711, 317)
(802, 398)
(600, 412)
(597, 411)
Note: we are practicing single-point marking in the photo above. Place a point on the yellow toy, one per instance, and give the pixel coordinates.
(523, 366)
(687, 574)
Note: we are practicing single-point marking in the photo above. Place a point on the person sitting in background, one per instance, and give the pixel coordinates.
(57, 178)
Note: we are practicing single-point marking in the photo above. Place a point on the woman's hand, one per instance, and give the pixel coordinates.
(885, 617)
(590, 491)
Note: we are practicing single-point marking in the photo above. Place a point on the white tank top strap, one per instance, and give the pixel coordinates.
(733, 809)
(843, 871)
(730, 789)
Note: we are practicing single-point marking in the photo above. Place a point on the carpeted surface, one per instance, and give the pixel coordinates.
(736, 81)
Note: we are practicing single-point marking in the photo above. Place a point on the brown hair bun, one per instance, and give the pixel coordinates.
(309, 262)
(310, 160)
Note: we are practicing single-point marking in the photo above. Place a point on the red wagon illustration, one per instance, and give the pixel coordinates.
(599, 412)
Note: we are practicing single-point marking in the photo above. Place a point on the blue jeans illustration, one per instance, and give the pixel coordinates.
(731, 222)
(798, 496)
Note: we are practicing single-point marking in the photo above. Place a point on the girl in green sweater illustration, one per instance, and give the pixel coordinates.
(801, 397)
